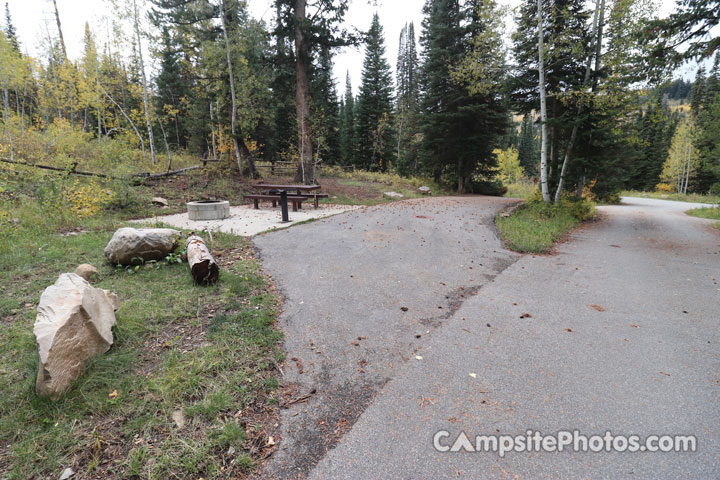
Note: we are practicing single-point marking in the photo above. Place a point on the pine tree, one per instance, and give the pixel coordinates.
(528, 147)
(325, 109)
(708, 122)
(10, 31)
(407, 102)
(89, 91)
(461, 124)
(284, 139)
(657, 129)
(374, 131)
(697, 92)
(172, 91)
(347, 128)
(686, 34)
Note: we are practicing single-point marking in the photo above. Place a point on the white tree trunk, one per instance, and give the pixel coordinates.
(144, 82)
(231, 74)
(543, 107)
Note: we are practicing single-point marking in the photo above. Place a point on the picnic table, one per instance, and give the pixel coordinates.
(295, 194)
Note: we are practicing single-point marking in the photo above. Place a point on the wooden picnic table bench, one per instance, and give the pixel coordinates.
(306, 191)
(295, 199)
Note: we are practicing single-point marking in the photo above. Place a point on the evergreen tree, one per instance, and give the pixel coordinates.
(697, 92)
(528, 148)
(708, 122)
(462, 119)
(687, 33)
(656, 132)
(284, 139)
(407, 102)
(10, 31)
(326, 115)
(347, 125)
(172, 91)
(373, 118)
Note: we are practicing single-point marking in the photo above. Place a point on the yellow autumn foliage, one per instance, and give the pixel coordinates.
(87, 199)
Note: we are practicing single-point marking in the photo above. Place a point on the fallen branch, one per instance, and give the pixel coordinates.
(72, 171)
(56, 169)
(165, 174)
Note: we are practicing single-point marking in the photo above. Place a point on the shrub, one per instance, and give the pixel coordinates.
(715, 190)
(665, 188)
(86, 200)
(580, 208)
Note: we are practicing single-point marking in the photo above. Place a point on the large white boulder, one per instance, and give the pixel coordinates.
(145, 243)
(73, 324)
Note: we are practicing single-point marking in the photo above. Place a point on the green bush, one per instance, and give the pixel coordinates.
(715, 190)
(580, 208)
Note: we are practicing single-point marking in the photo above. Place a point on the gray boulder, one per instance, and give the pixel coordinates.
(145, 243)
(73, 324)
(425, 190)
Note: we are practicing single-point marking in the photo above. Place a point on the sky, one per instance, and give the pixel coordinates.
(34, 19)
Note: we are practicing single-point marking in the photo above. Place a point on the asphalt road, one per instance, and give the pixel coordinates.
(618, 331)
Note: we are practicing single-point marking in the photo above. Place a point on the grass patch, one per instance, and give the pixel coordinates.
(710, 213)
(534, 227)
(209, 352)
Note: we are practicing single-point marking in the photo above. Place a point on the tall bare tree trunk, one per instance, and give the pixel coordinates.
(306, 168)
(231, 74)
(144, 82)
(57, 19)
(543, 107)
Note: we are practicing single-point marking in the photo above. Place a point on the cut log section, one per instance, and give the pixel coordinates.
(202, 265)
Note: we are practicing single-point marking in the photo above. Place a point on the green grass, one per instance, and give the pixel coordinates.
(710, 213)
(208, 351)
(678, 197)
(534, 227)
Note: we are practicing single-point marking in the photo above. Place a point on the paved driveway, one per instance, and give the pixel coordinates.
(616, 332)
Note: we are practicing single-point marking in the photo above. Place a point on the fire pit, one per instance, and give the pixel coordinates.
(208, 210)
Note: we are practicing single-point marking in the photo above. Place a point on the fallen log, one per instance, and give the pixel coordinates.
(56, 169)
(166, 174)
(72, 171)
(202, 265)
